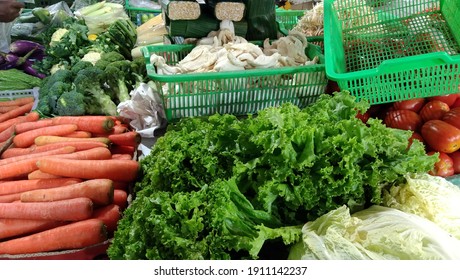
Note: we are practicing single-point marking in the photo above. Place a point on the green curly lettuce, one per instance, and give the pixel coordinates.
(222, 187)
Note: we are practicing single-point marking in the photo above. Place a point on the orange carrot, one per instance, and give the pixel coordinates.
(120, 128)
(37, 174)
(130, 138)
(63, 150)
(20, 111)
(8, 123)
(71, 236)
(79, 146)
(9, 187)
(27, 138)
(26, 126)
(75, 209)
(18, 168)
(116, 149)
(90, 154)
(16, 227)
(79, 134)
(32, 116)
(10, 197)
(4, 109)
(117, 170)
(100, 191)
(93, 124)
(120, 156)
(48, 139)
(26, 166)
(119, 185)
(120, 198)
(110, 215)
(18, 101)
(117, 129)
(7, 133)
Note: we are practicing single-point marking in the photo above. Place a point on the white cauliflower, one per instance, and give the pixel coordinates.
(57, 35)
(92, 56)
(56, 67)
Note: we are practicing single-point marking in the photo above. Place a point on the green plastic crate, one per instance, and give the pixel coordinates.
(136, 13)
(384, 54)
(237, 92)
(288, 18)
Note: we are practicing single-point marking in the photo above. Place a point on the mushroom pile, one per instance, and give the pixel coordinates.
(223, 51)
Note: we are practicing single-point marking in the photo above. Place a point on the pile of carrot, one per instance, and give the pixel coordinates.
(63, 180)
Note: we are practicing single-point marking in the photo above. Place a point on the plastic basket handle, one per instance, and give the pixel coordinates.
(417, 62)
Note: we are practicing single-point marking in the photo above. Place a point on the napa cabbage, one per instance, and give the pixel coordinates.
(376, 233)
(431, 197)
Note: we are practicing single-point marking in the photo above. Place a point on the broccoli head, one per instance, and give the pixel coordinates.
(51, 89)
(71, 103)
(82, 64)
(90, 82)
(107, 58)
(56, 90)
(116, 73)
(138, 72)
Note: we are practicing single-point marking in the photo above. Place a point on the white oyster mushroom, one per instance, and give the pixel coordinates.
(162, 68)
(264, 61)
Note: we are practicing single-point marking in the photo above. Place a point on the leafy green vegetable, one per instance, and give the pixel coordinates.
(15, 79)
(291, 165)
(376, 233)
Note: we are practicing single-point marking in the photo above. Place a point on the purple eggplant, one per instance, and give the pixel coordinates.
(22, 47)
(14, 61)
(28, 68)
(10, 61)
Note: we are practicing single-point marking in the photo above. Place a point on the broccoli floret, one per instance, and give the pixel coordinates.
(82, 64)
(116, 73)
(138, 72)
(71, 103)
(51, 88)
(107, 58)
(90, 82)
(55, 91)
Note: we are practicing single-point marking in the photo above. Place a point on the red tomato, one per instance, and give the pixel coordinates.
(441, 136)
(452, 117)
(449, 99)
(403, 119)
(363, 117)
(416, 135)
(456, 103)
(414, 104)
(455, 156)
(433, 110)
(444, 167)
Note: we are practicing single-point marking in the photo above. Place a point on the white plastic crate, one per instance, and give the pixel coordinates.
(13, 94)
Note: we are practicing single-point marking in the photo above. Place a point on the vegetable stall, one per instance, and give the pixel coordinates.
(231, 130)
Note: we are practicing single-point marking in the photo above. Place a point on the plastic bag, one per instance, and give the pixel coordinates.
(5, 36)
(23, 30)
(99, 23)
(78, 4)
(144, 109)
(147, 4)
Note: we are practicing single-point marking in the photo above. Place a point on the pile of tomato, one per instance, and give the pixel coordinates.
(435, 121)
